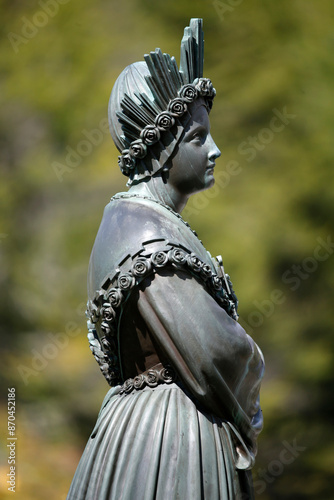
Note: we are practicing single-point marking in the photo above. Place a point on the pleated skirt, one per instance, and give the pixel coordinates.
(155, 444)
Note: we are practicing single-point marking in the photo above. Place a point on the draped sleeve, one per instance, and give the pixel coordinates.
(216, 360)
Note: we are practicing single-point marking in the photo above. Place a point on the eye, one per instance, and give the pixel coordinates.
(198, 136)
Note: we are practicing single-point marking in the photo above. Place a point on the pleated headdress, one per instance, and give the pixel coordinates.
(150, 102)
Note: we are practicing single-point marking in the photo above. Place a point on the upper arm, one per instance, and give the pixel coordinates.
(211, 351)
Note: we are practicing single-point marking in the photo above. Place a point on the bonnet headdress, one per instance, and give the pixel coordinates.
(149, 105)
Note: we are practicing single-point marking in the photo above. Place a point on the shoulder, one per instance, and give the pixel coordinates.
(128, 225)
(137, 218)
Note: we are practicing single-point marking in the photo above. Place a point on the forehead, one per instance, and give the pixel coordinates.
(199, 118)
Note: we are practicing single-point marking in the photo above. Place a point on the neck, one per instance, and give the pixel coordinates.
(157, 189)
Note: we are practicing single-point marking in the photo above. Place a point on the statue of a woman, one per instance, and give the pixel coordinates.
(182, 416)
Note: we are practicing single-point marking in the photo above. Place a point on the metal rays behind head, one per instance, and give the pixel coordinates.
(165, 78)
(148, 104)
(192, 51)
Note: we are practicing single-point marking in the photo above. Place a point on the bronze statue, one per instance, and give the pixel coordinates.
(183, 414)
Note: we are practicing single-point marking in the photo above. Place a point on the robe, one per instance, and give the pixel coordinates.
(191, 436)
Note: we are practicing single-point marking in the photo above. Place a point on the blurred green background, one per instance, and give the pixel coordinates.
(270, 214)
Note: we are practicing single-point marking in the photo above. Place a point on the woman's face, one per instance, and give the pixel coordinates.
(192, 165)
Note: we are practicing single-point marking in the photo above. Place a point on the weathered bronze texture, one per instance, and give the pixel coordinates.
(183, 414)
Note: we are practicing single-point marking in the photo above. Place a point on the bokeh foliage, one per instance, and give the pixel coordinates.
(267, 215)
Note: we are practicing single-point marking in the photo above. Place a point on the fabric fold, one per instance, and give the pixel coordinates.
(155, 444)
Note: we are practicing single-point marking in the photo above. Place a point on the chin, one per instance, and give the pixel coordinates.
(205, 183)
(209, 181)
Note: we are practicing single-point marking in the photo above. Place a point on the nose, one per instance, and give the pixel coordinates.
(214, 151)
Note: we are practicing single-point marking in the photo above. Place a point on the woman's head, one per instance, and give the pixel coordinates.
(152, 104)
